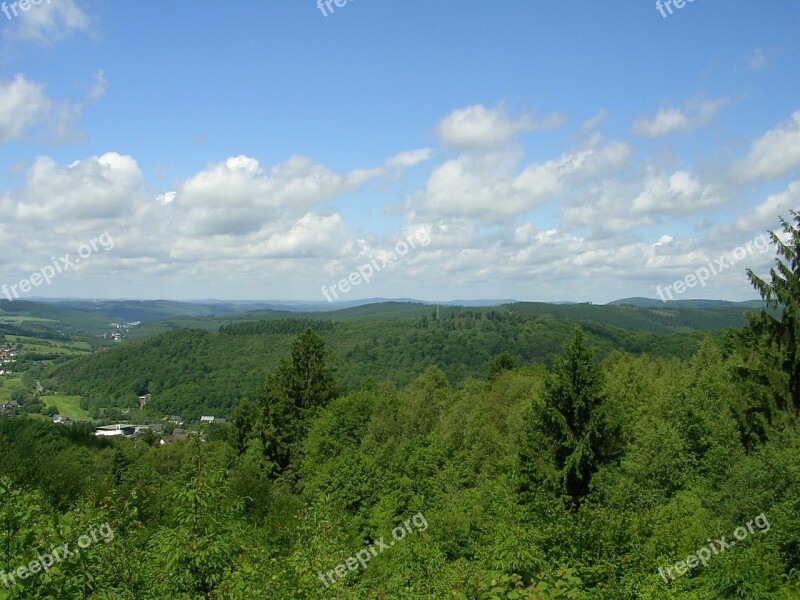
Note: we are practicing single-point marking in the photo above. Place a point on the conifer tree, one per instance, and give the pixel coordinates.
(782, 294)
(573, 429)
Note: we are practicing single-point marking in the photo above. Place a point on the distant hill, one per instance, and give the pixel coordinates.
(654, 302)
(153, 310)
(207, 363)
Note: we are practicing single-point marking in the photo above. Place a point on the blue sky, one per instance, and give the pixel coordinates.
(259, 150)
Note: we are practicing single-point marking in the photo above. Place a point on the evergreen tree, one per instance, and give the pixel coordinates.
(278, 424)
(287, 402)
(573, 430)
(306, 377)
(783, 294)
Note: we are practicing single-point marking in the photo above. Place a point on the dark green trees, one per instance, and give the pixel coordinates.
(502, 362)
(306, 377)
(287, 402)
(571, 437)
(783, 293)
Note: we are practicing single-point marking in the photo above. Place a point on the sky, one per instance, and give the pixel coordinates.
(285, 150)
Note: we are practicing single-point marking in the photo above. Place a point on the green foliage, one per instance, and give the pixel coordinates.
(276, 326)
(783, 293)
(199, 546)
(574, 431)
(502, 362)
(287, 402)
(657, 453)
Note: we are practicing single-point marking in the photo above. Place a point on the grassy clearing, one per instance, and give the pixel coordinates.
(68, 406)
(10, 384)
(40, 346)
(22, 319)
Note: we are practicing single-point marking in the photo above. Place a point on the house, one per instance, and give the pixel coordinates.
(175, 420)
(175, 437)
(124, 429)
(156, 427)
(10, 404)
(213, 420)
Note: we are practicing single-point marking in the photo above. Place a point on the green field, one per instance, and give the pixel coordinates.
(9, 385)
(68, 406)
(22, 319)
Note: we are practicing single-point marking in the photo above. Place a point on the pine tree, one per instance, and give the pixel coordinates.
(783, 294)
(287, 402)
(573, 430)
(306, 377)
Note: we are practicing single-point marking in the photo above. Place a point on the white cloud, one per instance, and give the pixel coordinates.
(678, 194)
(479, 128)
(614, 206)
(694, 115)
(238, 197)
(774, 154)
(166, 197)
(50, 21)
(95, 188)
(393, 165)
(765, 215)
(23, 104)
(98, 88)
(489, 185)
(595, 121)
(26, 109)
(410, 158)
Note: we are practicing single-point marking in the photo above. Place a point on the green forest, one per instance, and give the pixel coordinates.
(485, 454)
(194, 371)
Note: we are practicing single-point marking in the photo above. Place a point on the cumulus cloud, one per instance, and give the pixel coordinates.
(774, 154)
(694, 115)
(25, 109)
(480, 128)
(99, 187)
(491, 186)
(238, 197)
(23, 104)
(678, 194)
(613, 222)
(49, 22)
(764, 216)
(617, 205)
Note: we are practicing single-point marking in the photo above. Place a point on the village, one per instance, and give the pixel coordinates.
(172, 423)
(8, 356)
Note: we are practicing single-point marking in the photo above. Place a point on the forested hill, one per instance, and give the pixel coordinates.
(209, 370)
